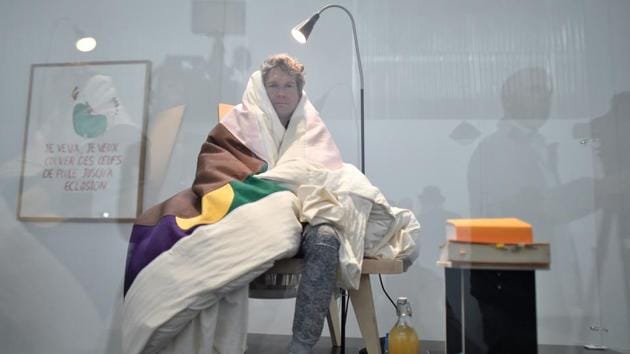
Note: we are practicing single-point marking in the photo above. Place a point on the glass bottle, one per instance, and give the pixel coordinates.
(403, 338)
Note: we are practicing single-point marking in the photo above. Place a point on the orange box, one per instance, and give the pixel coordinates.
(494, 230)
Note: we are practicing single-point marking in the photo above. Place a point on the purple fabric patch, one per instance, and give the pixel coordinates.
(148, 242)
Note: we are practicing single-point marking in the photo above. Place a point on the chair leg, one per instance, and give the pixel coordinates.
(333, 322)
(363, 305)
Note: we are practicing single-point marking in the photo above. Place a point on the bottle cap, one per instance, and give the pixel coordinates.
(403, 307)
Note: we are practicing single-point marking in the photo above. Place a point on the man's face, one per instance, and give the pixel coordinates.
(283, 93)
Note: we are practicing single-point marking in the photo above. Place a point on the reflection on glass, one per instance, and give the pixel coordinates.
(608, 136)
(513, 172)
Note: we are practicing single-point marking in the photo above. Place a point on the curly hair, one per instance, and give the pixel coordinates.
(287, 64)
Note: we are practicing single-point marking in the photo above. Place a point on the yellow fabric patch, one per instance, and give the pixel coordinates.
(214, 206)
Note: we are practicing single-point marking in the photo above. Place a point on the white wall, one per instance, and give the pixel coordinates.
(434, 76)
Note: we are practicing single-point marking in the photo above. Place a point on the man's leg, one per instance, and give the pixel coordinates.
(320, 247)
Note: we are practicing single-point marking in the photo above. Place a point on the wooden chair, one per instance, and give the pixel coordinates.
(362, 299)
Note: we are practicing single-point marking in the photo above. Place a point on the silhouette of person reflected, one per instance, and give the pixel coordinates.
(513, 173)
(608, 135)
(510, 168)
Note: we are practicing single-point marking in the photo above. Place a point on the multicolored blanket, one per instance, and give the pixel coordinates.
(256, 183)
(225, 180)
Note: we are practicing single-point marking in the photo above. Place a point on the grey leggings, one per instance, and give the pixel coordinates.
(320, 247)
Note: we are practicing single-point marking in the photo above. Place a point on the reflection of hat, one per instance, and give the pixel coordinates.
(431, 194)
(465, 133)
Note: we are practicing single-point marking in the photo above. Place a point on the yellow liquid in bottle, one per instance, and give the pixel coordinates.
(403, 340)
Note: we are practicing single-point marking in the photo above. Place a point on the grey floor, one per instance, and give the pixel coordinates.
(276, 344)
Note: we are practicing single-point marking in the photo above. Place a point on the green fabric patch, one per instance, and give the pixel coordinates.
(252, 189)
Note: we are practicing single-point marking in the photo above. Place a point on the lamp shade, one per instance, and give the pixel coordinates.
(303, 29)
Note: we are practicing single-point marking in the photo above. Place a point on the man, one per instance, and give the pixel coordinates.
(266, 170)
(284, 79)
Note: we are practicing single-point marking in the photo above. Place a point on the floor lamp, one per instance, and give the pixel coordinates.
(301, 33)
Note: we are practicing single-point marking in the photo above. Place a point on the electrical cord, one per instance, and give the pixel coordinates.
(380, 278)
(345, 299)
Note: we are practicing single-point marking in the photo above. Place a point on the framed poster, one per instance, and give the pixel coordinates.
(84, 144)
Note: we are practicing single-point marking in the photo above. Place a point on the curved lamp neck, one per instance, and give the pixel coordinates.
(354, 34)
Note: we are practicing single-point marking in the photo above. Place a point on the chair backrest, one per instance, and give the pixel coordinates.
(223, 109)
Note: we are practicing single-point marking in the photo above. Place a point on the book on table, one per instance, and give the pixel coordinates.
(489, 230)
(486, 253)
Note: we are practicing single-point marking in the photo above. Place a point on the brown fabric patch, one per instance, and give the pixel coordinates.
(222, 158)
